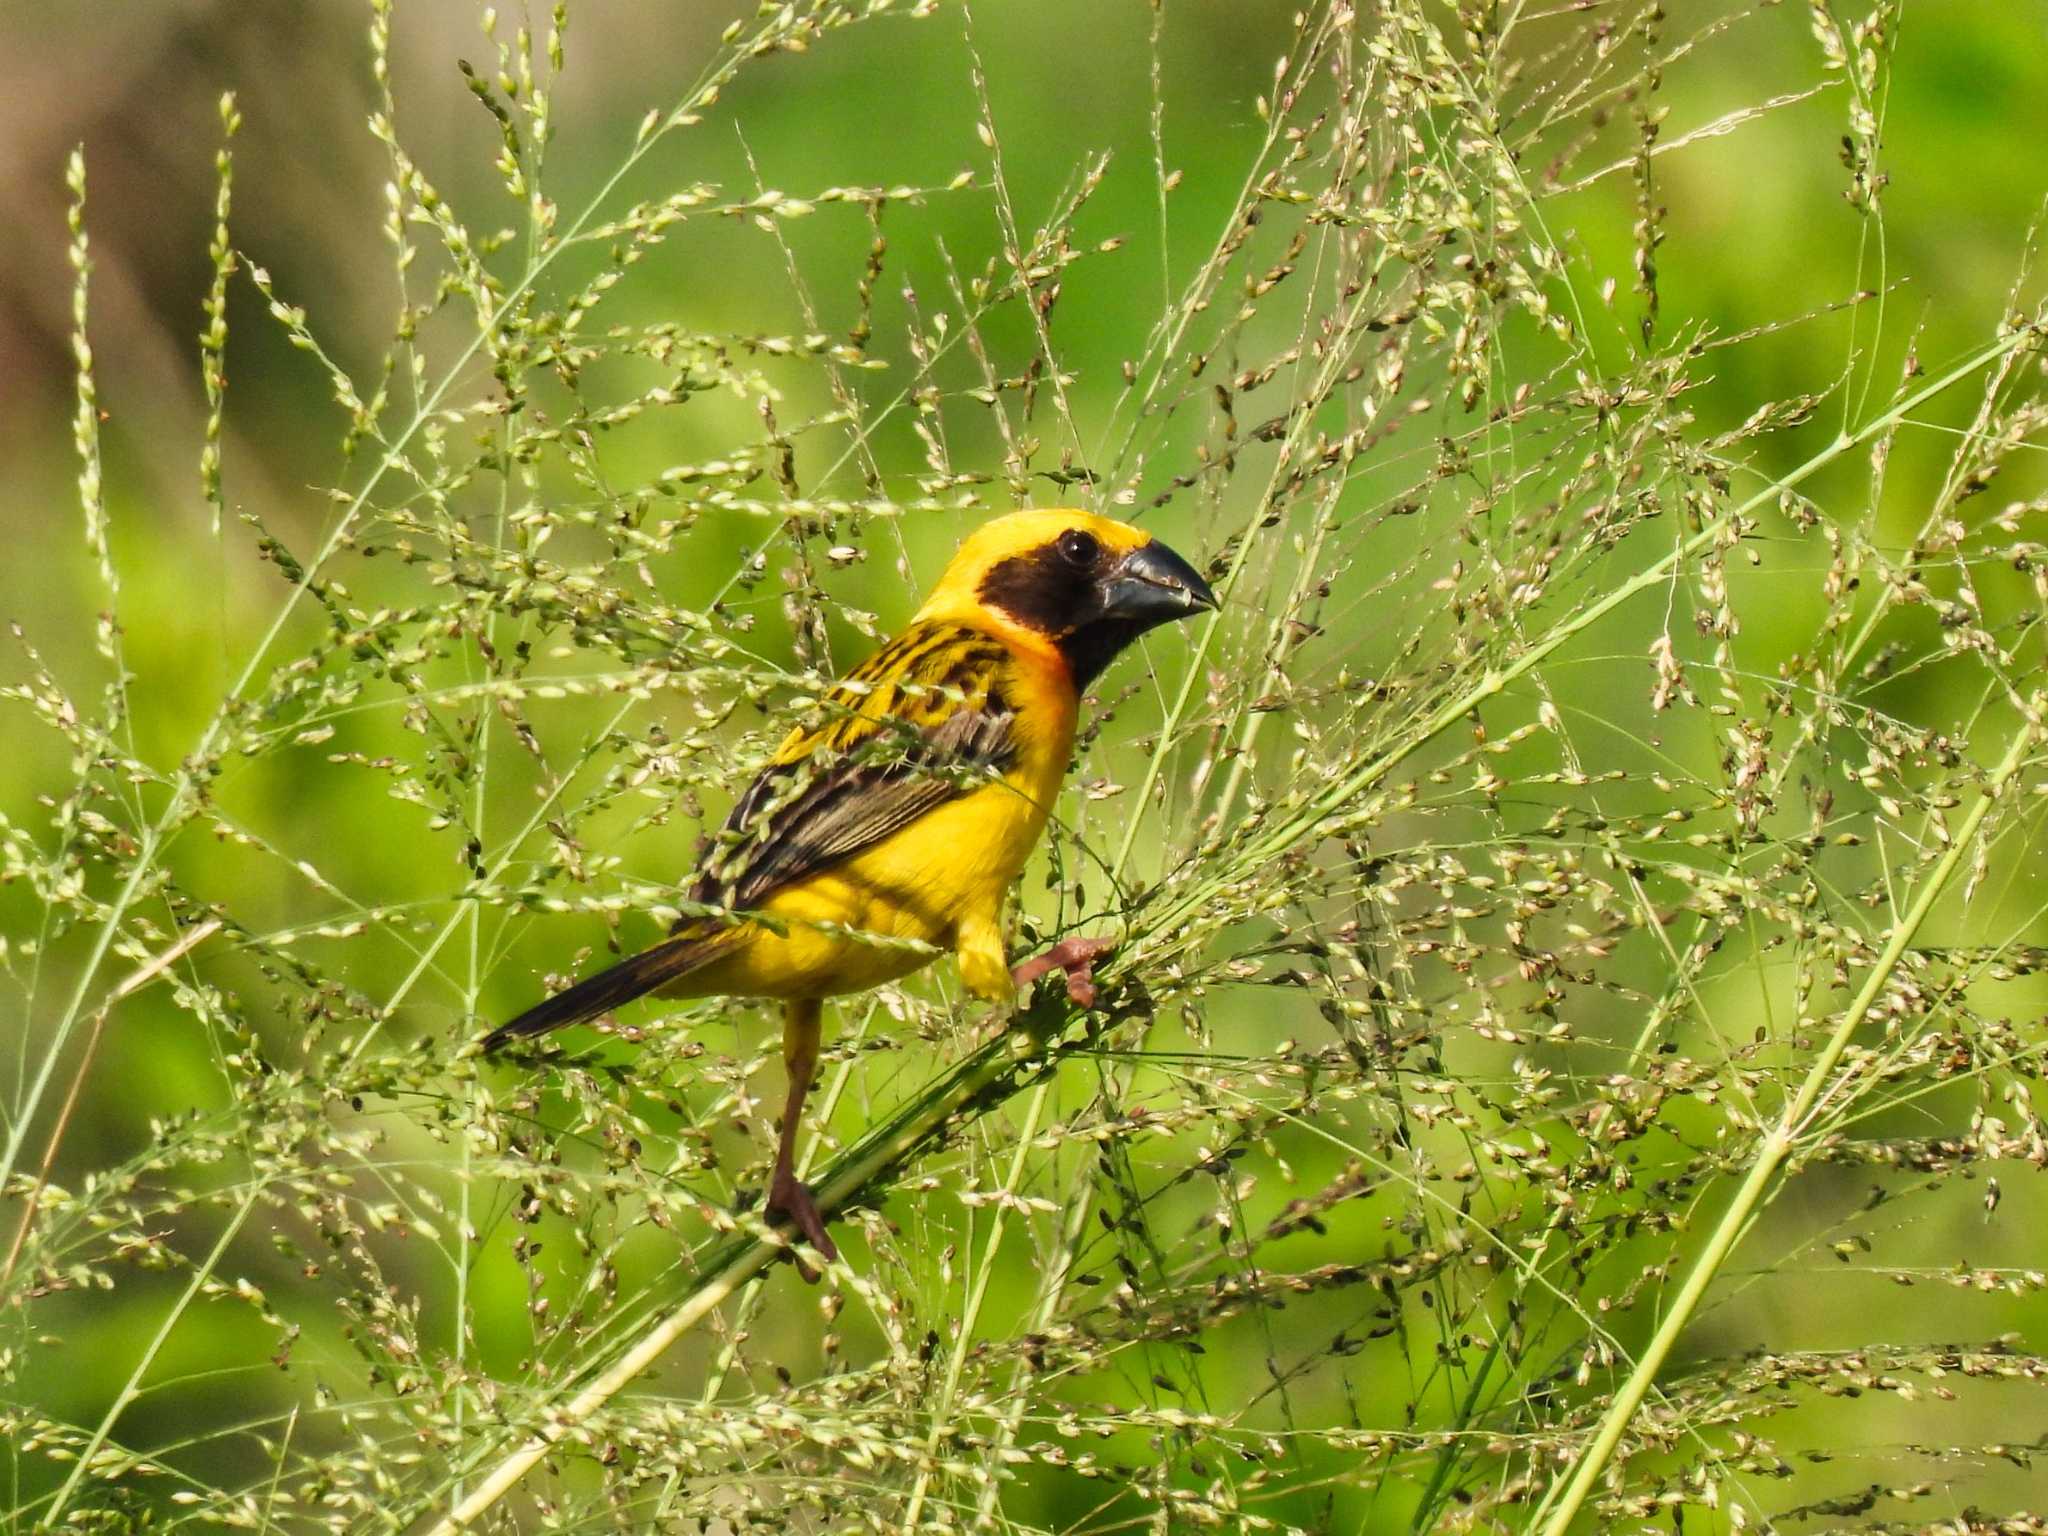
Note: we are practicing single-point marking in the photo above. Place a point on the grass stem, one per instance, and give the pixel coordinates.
(1568, 1497)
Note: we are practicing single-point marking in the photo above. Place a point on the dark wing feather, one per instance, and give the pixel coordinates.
(922, 721)
(840, 811)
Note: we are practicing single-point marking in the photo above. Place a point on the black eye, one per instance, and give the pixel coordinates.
(1078, 547)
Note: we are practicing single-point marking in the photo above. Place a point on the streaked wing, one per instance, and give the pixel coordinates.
(922, 721)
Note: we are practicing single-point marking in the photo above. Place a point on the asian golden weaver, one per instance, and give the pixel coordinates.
(908, 810)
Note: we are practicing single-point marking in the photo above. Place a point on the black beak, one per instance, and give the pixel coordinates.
(1153, 585)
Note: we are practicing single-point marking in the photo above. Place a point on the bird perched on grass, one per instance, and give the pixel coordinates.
(893, 824)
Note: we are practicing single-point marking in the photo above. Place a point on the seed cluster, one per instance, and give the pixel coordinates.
(1575, 900)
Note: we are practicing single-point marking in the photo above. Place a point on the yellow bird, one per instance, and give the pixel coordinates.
(907, 811)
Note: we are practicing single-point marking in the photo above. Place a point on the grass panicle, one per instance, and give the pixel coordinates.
(1579, 985)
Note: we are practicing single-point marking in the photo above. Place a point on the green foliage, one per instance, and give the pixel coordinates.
(1578, 951)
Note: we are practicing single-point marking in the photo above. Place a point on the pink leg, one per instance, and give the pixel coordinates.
(1077, 958)
(787, 1195)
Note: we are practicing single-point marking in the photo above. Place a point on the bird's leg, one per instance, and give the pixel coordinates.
(1077, 958)
(787, 1195)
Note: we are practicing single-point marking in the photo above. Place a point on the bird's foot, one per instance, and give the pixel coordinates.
(1077, 958)
(791, 1197)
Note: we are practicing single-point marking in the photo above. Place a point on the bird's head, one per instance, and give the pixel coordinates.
(1085, 585)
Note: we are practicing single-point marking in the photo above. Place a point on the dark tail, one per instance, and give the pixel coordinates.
(633, 977)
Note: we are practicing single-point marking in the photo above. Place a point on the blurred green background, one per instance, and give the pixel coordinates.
(1757, 233)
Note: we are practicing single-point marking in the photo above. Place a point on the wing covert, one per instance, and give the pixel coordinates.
(921, 722)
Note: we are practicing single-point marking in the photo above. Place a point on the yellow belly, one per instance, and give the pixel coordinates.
(884, 913)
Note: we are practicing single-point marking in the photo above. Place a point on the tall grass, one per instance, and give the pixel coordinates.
(1577, 934)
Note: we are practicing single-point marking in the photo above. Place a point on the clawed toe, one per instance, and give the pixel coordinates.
(790, 1197)
(1077, 958)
